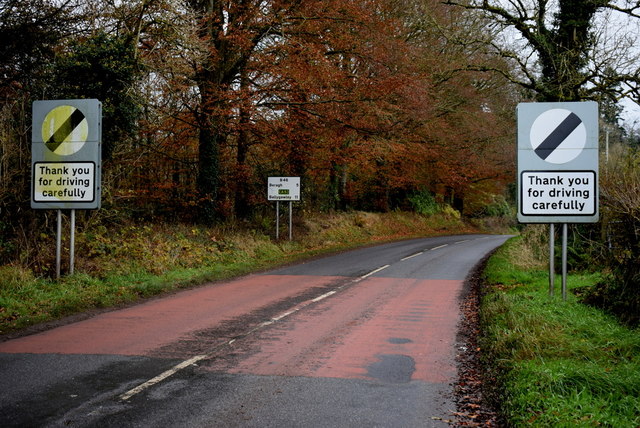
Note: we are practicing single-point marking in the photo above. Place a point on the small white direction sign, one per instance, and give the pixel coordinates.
(558, 162)
(283, 189)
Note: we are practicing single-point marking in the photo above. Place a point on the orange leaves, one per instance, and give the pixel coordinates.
(348, 94)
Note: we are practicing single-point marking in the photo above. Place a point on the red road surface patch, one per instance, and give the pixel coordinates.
(391, 329)
(367, 331)
(158, 323)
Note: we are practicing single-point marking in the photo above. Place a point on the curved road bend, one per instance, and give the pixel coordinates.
(363, 338)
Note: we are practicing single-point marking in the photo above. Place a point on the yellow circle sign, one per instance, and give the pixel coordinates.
(65, 130)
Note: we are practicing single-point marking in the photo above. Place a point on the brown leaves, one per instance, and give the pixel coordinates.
(473, 408)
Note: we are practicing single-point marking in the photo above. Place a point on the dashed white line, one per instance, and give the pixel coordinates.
(412, 256)
(324, 296)
(441, 246)
(161, 377)
(284, 315)
(374, 271)
(460, 242)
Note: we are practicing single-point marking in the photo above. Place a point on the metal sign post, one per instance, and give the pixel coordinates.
(564, 261)
(72, 242)
(290, 221)
(558, 169)
(66, 161)
(552, 251)
(283, 189)
(277, 220)
(58, 243)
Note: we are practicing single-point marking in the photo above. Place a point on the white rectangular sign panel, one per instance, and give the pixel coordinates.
(64, 181)
(552, 193)
(558, 162)
(283, 189)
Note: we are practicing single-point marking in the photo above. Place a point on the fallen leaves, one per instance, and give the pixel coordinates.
(472, 407)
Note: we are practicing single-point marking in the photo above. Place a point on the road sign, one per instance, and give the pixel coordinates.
(558, 162)
(66, 154)
(283, 189)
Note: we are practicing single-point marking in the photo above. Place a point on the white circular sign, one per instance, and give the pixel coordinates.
(558, 136)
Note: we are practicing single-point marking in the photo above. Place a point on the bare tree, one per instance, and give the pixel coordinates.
(564, 50)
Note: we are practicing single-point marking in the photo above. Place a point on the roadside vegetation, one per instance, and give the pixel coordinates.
(555, 363)
(133, 260)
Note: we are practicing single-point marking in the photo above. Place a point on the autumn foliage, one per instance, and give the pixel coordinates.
(360, 99)
(368, 102)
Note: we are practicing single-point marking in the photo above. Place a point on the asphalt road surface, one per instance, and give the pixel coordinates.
(361, 339)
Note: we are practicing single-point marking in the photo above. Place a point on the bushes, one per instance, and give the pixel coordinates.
(424, 203)
(620, 212)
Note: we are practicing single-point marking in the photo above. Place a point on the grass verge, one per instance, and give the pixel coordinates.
(132, 261)
(555, 363)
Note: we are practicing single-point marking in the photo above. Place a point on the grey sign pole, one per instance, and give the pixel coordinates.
(72, 243)
(290, 221)
(552, 250)
(277, 220)
(58, 243)
(564, 261)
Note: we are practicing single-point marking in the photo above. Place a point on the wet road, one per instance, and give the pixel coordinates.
(363, 338)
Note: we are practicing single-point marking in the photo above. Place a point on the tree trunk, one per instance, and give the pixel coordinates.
(208, 167)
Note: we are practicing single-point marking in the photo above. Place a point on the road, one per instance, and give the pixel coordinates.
(362, 338)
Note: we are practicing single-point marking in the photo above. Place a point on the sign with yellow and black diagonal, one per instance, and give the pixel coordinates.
(66, 154)
(65, 130)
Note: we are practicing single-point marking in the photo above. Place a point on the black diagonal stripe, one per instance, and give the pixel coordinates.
(568, 125)
(64, 130)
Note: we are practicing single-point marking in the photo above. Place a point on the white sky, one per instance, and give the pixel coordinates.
(631, 113)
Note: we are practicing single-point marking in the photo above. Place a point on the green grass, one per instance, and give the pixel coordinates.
(557, 363)
(123, 264)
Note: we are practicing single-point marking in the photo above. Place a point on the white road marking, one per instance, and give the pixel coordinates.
(162, 376)
(324, 296)
(412, 256)
(286, 314)
(460, 242)
(441, 246)
(374, 271)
